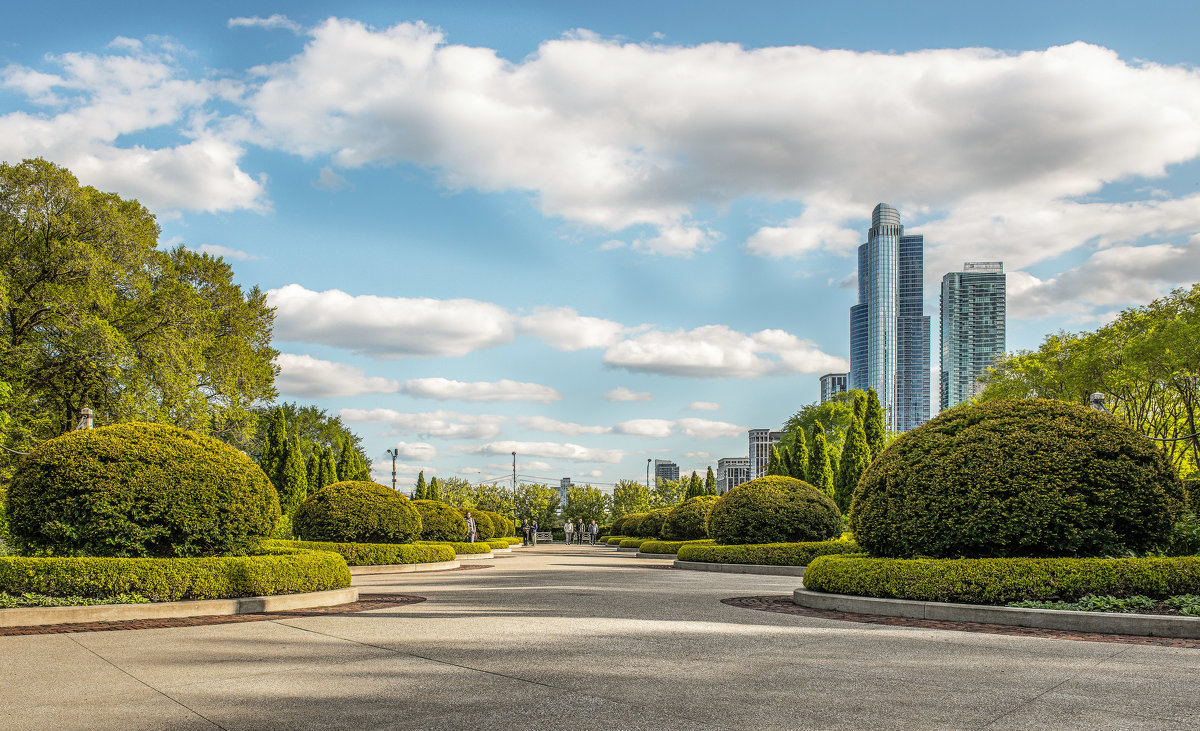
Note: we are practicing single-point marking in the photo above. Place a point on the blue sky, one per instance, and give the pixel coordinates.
(601, 234)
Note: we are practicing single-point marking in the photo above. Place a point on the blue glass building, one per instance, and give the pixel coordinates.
(889, 332)
(973, 324)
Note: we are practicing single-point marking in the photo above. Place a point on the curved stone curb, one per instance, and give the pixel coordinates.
(741, 568)
(627, 550)
(403, 568)
(30, 616)
(656, 555)
(474, 556)
(501, 550)
(1101, 622)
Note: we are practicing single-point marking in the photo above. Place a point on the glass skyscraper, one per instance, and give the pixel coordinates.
(889, 332)
(973, 317)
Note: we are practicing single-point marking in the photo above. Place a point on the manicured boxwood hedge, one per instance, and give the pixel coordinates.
(667, 546)
(139, 490)
(1020, 478)
(172, 579)
(373, 554)
(1002, 580)
(774, 509)
(357, 511)
(483, 524)
(439, 521)
(688, 521)
(615, 540)
(503, 526)
(632, 542)
(631, 523)
(766, 554)
(460, 547)
(651, 525)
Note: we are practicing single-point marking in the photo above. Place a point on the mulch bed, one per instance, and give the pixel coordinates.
(782, 604)
(366, 602)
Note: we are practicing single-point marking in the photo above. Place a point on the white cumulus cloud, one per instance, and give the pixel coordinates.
(719, 351)
(550, 450)
(565, 329)
(445, 424)
(420, 451)
(620, 393)
(503, 390)
(272, 22)
(546, 424)
(704, 406)
(304, 375)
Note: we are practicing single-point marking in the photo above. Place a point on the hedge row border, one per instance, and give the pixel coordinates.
(765, 554)
(373, 554)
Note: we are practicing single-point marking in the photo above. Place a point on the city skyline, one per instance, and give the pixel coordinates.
(600, 235)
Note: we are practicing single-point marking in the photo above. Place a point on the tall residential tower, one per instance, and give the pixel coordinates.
(889, 332)
(973, 317)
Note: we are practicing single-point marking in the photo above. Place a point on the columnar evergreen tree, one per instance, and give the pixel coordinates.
(873, 424)
(697, 485)
(328, 473)
(860, 405)
(312, 470)
(350, 466)
(774, 464)
(433, 493)
(274, 448)
(798, 459)
(420, 492)
(856, 457)
(293, 481)
(820, 473)
(710, 483)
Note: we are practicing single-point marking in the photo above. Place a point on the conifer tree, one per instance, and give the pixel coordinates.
(856, 456)
(419, 492)
(860, 405)
(820, 473)
(873, 424)
(293, 481)
(274, 447)
(432, 492)
(328, 471)
(350, 465)
(696, 487)
(312, 470)
(798, 459)
(710, 483)
(774, 466)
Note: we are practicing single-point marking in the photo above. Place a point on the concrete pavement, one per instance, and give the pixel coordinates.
(578, 637)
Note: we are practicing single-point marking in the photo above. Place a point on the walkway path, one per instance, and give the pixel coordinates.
(579, 637)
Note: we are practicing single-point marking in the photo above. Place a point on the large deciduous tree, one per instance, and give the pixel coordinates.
(587, 503)
(630, 496)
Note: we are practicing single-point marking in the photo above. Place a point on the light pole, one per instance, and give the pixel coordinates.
(394, 453)
(514, 488)
(647, 474)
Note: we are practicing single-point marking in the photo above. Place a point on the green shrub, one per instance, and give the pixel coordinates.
(1191, 490)
(7, 601)
(632, 542)
(651, 525)
(774, 509)
(484, 528)
(667, 546)
(502, 527)
(373, 554)
(355, 511)
(439, 521)
(689, 520)
(139, 490)
(1185, 536)
(616, 526)
(766, 554)
(460, 547)
(1092, 603)
(172, 579)
(632, 524)
(1002, 580)
(1030, 477)
(615, 540)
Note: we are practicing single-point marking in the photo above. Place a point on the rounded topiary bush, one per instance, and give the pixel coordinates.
(501, 526)
(357, 512)
(439, 521)
(139, 490)
(632, 524)
(651, 525)
(688, 521)
(483, 524)
(616, 526)
(774, 509)
(1030, 477)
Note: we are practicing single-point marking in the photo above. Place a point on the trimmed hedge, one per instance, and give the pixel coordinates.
(651, 525)
(284, 571)
(1029, 477)
(483, 524)
(1003, 580)
(688, 521)
(439, 521)
(357, 511)
(503, 526)
(139, 490)
(766, 554)
(632, 523)
(615, 540)
(373, 554)
(632, 542)
(460, 547)
(668, 546)
(774, 509)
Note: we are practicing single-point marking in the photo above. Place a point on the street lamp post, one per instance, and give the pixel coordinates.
(394, 453)
(647, 474)
(514, 488)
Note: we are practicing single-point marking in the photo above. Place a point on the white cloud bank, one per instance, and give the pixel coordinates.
(309, 377)
(504, 390)
(718, 351)
(445, 424)
(550, 450)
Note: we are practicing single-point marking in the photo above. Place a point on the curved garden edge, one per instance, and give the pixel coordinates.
(404, 568)
(1101, 622)
(655, 555)
(741, 568)
(32, 616)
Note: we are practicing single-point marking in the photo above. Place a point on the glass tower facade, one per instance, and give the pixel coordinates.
(973, 317)
(889, 332)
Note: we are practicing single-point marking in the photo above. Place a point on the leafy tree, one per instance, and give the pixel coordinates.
(798, 455)
(457, 492)
(350, 466)
(630, 496)
(820, 473)
(856, 457)
(710, 483)
(434, 492)
(536, 501)
(586, 502)
(95, 314)
(873, 425)
(293, 480)
(666, 493)
(494, 497)
(274, 448)
(834, 415)
(315, 428)
(421, 492)
(860, 405)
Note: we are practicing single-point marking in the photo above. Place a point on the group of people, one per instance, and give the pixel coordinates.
(580, 530)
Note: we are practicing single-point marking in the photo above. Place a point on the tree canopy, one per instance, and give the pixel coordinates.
(630, 496)
(587, 503)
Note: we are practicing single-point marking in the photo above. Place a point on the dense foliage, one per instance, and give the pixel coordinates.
(774, 509)
(630, 497)
(651, 525)
(1002, 580)
(587, 503)
(483, 524)
(689, 521)
(1029, 477)
(357, 512)
(631, 524)
(439, 521)
(664, 547)
(374, 554)
(766, 554)
(139, 490)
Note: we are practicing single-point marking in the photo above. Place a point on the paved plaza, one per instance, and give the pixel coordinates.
(585, 638)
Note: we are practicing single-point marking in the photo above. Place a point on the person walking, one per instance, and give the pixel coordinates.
(568, 528)
(525, 528)
(471, 529)
(533, 532)
(579, 531)
(595, 532)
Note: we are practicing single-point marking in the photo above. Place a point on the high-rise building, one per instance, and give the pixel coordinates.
(665, 469)
(973, 317)
(731, 472)
(832, 383)
(761, 441)
(889, 332)
(563, 485)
